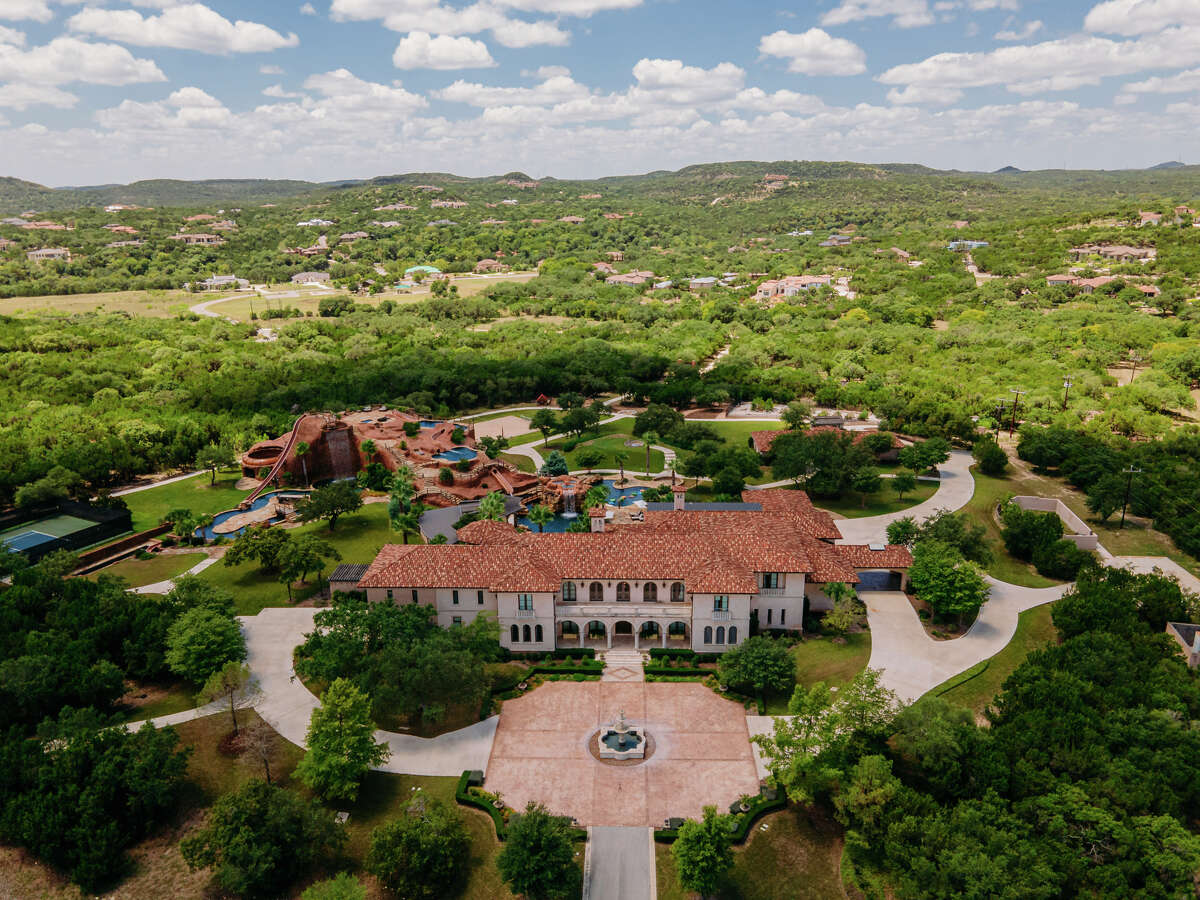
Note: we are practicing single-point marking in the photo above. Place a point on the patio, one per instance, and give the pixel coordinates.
(703, 754)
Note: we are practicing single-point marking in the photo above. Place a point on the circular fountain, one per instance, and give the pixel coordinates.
(621, 741)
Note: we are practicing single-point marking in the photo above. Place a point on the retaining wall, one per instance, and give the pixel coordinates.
(1075, 529)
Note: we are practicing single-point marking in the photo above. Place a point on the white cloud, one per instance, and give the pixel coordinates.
(670, 81)
(755, 99)
(904, 13)
(516, 33)
(192, 26)
(308, 10)
(924, 95)
(276, 90)
(1051, 65)
(815, 52)
(353, 95)
(270, 70)
(1130, 17)
(1028, 31)
(67, 59)
(581, 8)
(12, 37)
(554, 89)
(1182, 83)
(23, 96)
(37, 10)
(420, 50)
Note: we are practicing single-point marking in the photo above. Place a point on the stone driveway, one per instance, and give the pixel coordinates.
(702, 752)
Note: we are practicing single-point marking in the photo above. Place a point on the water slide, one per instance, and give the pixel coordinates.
(279, 463)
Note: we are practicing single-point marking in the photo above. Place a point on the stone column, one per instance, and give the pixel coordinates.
(582, 634)
(663, 632)
(636, 637)
(608, 634)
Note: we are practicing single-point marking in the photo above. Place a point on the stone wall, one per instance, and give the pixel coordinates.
(1075, 529)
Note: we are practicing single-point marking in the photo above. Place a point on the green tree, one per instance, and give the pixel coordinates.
(342, 886)
(620, 458)
(492, 507)
(341, 743)
(729, 482)
(649, 438)
(588, 457)
(545, 421)
(990, 456)
(951, 585)
(213, 457)
(703, 852)
(303, 554)
(1025, 531)
(538, 859)
(234, 685)
(261, 838)
(797, 414)
(866, 482)
(302, 449)
(540, 515)
(259, 542)
(330, 502)
(847, 610)
(422, 854)
(555, 464)
(368, 449)
(409, 521)
(904, 483)
(201, 641)
(759, 664)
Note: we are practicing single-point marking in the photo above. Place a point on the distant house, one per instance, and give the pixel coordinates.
(421, 270)
(1149, 218)
(220, 283)
(494, 222)
(509, 202)
(660, 285)
(836, 240)
(485, 266)
(1115, 252)
(388, 224)
(902, 254)
(1060, 280)
(120, 229)
(118, 207)
(314, 223)
(702, 284)
(448, 204)
(310, 278)
(1187, 636)
(440, 223)
(959, 246)
(589, 196)
(226, 225)
(1089, 285)
(960, 224)
(1150, 290)
(393, 206)
(320, 247)
(613, 217)
(48, 253)
(791, 286)
(352, 236)
(633, 279)
(615, 256)
(47, 226)
(5, 244)
(572, 220)
(202, 217)
(192, 240)
(116, 244)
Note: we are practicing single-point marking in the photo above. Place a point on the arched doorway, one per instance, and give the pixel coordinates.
(622, 634)
(649, 631)
(677, 635)
(596, 634)
(569, 634)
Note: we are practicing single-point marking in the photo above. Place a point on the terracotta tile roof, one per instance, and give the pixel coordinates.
(893, 556)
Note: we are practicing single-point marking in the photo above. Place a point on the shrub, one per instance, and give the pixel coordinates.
(445, 475)
(1061, 559)
(1026, 530)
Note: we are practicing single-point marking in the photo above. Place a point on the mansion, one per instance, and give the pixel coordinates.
(670, 575)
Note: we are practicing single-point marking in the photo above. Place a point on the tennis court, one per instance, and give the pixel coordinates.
(34, 534)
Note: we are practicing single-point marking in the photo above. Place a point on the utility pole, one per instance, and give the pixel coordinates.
(1067, 385)
(999, 417)
(1130, 472)
(1012, 425)
(1135, 358)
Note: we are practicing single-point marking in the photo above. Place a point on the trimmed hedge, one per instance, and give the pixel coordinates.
(744, 821)
(671, 653)
(463, 796)
(677, 670)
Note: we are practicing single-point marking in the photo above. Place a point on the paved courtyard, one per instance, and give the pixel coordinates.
(702, 752)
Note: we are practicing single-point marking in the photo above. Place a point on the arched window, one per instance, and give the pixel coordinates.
(622, 591)
(677, 629)
(677, 592)
(596, 592)
(514, 634)
(568, 592)
(720, 634)
(650, 592)
(537, 634)
(732, 633)
(707, 633)
(527, 634)
(570, 628)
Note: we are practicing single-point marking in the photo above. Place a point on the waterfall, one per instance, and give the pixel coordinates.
(569, 500)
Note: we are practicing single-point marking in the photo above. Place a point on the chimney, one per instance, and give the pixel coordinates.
(597, 514)
(680, 495)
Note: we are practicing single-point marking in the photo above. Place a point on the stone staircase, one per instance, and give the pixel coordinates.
(623, 666)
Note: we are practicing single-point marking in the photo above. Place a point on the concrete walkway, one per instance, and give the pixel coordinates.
(165, 587)
(955, 491)
(619, 864)
(145, 487)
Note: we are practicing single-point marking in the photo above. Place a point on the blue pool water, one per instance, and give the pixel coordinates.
(456, 453)
(430, 423)
(632, 497)
(208, 534)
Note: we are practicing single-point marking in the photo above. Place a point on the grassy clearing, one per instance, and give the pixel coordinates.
(609, 447)
(988, 492)
(820, 659)
(738, 433)
(797, 857)
(148, 701)
(500, 414)
(155, 304)
(975, 688)
(140, 572)
(881, 503)
(197, 494)
(524, 463)
(358, 538)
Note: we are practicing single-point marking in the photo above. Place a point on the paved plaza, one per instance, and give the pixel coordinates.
(702, 752)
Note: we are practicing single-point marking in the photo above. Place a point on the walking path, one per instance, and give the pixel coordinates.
(145, 487)
(623, 666)
(165, 587)
(619, 864)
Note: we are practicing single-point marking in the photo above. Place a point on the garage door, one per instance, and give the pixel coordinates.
(879, 580)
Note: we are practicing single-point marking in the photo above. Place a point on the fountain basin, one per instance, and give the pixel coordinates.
(614, 743)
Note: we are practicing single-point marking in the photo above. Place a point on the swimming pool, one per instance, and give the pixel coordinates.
(456, 453)
(208, 534)
(630, 496)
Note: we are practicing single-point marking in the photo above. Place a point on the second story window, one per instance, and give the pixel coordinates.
(524, 601)
(623, 592)
(677, 592)
(650, 592)
(772, 580)
(479, 597)
(568, 592)
(454, 598)
(720, 603)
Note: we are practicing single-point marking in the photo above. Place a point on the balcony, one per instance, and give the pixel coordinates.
(720, 615)
(526, 613)
(772, 592)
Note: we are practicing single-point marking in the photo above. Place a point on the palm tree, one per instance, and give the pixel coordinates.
(368, 450)
(540, 515)
(622, 457)
(596, 496)
(409, 522)
(492, 507)
(302, 449)
(649, 437)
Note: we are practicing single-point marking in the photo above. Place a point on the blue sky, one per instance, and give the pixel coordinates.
(116, 90)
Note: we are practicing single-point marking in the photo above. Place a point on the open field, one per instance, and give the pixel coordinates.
(880, 503)
(797, 856)
(197, 494)
(157, 304)
(975, 688)
(140, 572)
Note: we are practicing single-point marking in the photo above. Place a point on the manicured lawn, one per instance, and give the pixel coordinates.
(880, 503)
(524, 463)
(500, 414)
(738, 433)
(988, 492)
(609, 447)
(140, 572)
(797, 857)
(978, 686)
(148, 507)
(821, 659)
(148, 701)
(358, 538)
